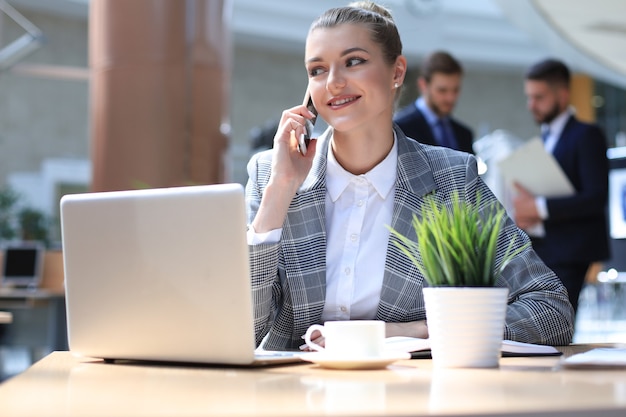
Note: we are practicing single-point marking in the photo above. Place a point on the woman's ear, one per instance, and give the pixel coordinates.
(399, 70)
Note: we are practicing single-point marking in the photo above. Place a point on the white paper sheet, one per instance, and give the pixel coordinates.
(599, 357)
(536, 170)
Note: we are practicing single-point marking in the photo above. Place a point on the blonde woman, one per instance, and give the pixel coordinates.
(319, 242)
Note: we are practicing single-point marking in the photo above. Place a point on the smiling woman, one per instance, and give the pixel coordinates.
(353, 85)
(319, 223)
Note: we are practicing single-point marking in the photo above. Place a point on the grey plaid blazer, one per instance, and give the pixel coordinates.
(288, 277)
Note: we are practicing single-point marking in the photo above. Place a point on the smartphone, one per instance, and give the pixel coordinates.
(305, 138)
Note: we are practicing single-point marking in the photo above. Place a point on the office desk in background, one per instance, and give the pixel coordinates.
(38, 324)
(62, 385)
(38, 320)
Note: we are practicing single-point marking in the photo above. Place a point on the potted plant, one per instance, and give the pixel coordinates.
(33, 225)
(8, 199)
(455, 247)
(18, 221)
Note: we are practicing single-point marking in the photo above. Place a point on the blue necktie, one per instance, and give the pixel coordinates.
(544, 134)
(446, 138)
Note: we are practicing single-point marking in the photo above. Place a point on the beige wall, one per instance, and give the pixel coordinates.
(263, 84)
(43, 117)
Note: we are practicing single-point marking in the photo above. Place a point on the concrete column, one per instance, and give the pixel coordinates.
(159, 92)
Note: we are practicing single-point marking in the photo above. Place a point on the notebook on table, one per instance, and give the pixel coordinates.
(161, 275)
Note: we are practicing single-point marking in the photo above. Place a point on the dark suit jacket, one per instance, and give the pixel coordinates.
(413, 123)
(576, 230)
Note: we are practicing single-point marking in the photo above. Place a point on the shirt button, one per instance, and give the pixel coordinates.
(360, 203)
(347, 271)
(354, 237)
(343, 309)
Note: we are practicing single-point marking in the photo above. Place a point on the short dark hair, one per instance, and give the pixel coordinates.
(439, 61)
(550, 70)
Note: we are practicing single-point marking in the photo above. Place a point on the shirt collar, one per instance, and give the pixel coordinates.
(382, 177)
(557, 125)
(429, 115)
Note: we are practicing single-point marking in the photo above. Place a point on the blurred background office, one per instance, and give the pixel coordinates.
(47, 118)
(111, 94)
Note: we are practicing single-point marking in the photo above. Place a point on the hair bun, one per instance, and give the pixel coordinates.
(373, 7)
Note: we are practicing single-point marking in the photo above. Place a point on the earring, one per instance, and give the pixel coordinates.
(395, 85)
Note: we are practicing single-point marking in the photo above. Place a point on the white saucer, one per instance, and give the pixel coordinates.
(325, 361)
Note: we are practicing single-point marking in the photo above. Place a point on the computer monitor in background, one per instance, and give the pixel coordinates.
(22, 264)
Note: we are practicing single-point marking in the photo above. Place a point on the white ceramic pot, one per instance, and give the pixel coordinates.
(465, 325)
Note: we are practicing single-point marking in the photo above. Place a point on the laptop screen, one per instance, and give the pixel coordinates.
(22, 264)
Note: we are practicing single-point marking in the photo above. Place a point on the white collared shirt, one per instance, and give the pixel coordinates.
(433, 120)
(429, 115)
(358, 210)
(555, 129)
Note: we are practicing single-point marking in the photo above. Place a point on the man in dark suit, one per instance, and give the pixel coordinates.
(428, 120)
(568, 233)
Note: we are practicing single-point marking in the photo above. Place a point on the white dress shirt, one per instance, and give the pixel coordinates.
(358, 210)
(555, 129)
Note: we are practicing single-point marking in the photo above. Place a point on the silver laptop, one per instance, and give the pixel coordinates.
(161, 275)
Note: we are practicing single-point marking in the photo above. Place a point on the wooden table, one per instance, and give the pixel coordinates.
(62, 385)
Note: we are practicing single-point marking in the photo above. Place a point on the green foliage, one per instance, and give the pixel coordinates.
(33, 224)
(457, 246)
(24, 223)
(8, 199)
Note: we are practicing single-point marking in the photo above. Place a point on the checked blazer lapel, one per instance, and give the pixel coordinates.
(306, 228)
(414, 180)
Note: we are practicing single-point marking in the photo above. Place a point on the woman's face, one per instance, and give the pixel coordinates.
(349, 80)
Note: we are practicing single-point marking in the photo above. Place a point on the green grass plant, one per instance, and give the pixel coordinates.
(456, 246)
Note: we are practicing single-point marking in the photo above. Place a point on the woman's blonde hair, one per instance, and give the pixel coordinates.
(377, 19)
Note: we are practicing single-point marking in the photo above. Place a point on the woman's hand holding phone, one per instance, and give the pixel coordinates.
(291, 162)
(305, 138)
(289, 169)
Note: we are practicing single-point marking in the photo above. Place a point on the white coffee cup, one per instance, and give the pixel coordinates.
(353, 339)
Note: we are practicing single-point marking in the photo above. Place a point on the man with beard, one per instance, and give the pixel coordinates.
(568, 233)
(428, 120)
